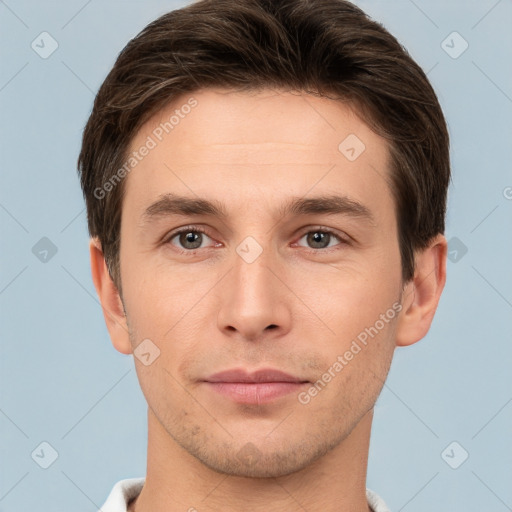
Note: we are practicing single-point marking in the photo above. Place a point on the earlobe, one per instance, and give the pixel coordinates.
(421, 295)
(111, 303)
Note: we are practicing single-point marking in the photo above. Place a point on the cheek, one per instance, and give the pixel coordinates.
(169, 311)
(157, 293)
(345, 300)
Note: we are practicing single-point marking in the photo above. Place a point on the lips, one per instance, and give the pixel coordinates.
(256, 388)
(263, 375)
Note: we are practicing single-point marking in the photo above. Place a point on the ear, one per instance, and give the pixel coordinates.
(111, 303)
(421, 295)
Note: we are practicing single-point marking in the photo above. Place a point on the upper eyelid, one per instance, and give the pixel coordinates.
(184, 229)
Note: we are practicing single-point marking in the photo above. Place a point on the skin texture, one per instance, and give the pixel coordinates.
(209, 310)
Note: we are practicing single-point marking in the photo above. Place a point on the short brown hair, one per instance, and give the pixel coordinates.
(329, 48)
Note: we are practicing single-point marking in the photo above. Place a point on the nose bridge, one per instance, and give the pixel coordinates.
(252, 277)
(251, 298)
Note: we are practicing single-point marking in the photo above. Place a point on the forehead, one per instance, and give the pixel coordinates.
(219, 116)
(222, 140)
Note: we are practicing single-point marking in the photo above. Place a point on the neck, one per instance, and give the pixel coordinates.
(177, 481)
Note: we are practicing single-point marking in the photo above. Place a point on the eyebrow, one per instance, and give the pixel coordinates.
(172, 204)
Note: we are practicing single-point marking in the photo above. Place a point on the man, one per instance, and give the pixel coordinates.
(266, 188)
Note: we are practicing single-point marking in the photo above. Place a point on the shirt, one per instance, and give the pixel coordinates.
(126, 490)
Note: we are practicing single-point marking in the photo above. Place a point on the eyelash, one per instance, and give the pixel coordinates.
(195, 229)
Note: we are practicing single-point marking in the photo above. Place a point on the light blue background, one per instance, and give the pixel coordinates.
(62, 381)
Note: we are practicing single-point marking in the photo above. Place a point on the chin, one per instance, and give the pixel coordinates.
(252, 461)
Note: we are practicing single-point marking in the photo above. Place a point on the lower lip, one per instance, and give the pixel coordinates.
(257, 392)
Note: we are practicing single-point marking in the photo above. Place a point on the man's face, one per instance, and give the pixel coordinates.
(262, 287)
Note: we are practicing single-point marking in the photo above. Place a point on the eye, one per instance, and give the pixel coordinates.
(188, 238)
(322, 238)
(191, 238)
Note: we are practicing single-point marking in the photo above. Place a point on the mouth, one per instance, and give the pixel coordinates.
(261, 386)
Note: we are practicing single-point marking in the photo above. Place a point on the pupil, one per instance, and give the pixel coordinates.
(191, 238)
(318, 237)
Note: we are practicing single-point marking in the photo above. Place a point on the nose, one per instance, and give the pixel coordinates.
(253, 299)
